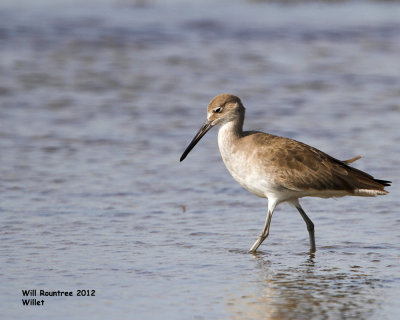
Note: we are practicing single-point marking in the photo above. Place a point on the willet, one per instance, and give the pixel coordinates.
(280, 169)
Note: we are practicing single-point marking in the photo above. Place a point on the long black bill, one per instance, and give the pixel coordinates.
(203, 130)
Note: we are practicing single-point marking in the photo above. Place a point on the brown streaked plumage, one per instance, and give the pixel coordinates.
(278, 168)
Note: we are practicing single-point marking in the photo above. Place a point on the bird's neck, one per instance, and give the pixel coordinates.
(231, 131)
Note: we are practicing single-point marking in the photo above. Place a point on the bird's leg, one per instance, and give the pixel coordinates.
(310, 227)
(264, 233)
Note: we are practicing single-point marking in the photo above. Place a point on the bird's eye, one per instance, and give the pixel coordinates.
(218, 110)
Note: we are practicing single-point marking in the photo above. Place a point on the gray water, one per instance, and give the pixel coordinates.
(99, 99)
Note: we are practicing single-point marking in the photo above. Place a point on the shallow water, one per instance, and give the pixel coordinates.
(97, 103)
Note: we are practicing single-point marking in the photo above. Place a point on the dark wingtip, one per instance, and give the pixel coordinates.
(385, 183)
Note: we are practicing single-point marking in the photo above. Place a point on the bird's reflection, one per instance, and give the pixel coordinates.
(305, 291)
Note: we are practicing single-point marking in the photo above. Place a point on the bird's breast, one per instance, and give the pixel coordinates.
(244, 165)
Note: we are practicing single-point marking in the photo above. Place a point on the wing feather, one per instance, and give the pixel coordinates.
(300, 167)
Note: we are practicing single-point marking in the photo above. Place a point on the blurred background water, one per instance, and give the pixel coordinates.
(98, 99)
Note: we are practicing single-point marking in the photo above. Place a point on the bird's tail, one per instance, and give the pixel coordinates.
(362, 183)
(366, 185)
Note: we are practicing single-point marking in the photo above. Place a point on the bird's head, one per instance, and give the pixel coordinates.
(221, 109)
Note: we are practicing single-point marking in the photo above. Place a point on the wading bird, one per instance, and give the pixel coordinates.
(280, 169)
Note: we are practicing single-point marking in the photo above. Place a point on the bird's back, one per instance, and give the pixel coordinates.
(300, 168)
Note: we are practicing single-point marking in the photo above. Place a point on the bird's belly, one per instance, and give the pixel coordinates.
(248, 175)
(265, 187)
(256, 187)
